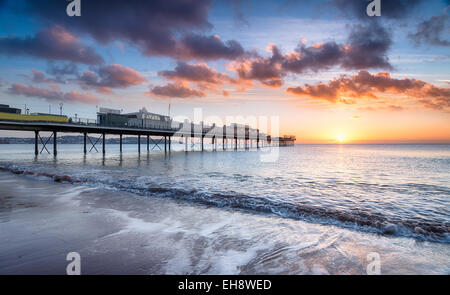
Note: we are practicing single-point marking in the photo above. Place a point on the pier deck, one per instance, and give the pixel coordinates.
(166, 134)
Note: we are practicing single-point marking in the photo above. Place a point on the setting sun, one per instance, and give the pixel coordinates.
(340, 138)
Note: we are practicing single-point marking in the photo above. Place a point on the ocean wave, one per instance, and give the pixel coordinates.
(353, 219)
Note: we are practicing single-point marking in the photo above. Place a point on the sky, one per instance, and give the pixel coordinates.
(327, 70)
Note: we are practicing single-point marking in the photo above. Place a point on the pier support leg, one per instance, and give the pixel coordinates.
(120, 142)
(103, 143)
(165, 144)
(235, 143)
(84, 143)
(202, 142)
(55, 152)
(36, 143)
(139, 144)
(148, 143)
(257, 139)
(170, 144)
(185, 144)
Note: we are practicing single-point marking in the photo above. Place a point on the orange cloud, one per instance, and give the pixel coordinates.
(177, 89)
(366, 85)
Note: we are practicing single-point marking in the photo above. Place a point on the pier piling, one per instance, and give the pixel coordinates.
(103, 143)
(84, 143)
(36, 142)
(55, 152)
(139, 144)
(165, 144)
(257, 138)
(120, 142)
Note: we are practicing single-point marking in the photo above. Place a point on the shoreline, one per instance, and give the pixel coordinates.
(435, 233)
(120, 232)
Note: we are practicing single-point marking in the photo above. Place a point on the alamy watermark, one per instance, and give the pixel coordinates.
(74, 267)
(74, 8)
(374, 266)
(257, 130)
(374, 8)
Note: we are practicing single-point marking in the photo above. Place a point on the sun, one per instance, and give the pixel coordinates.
(340, 138)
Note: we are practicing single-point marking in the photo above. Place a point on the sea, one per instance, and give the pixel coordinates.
(302, 209)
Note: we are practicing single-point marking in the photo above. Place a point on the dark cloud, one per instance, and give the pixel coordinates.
(177, 89)
(54, 43)
(110, 76)
(393, 9)
(157, 27)
(433, 31)
(53, 95)
(366, 48)
(195, 46)
(367, 85)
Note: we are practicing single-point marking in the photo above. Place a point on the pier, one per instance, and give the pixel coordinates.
(223, 134)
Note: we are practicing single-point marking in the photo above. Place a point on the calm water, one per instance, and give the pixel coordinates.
(392, 190)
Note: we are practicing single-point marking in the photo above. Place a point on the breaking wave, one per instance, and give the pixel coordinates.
(354, 219)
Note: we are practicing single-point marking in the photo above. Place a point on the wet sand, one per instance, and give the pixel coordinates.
(121, 233)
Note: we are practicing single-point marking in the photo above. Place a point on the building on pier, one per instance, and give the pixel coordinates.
(286, 140)
(4, 108)
(112, 120)
(142, 119)
(146, 120)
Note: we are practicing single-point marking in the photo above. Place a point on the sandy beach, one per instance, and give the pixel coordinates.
(122, 233)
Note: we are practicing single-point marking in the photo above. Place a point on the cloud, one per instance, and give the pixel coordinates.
(54, 43)
(40, 77)
(366, 48)
(53, 95)
(158, 27)
(61, 70)
(177, 89)
(431, 31)
(110, 76)
(204, 76)
(272, 83)
(195, 46)
(367, 85)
